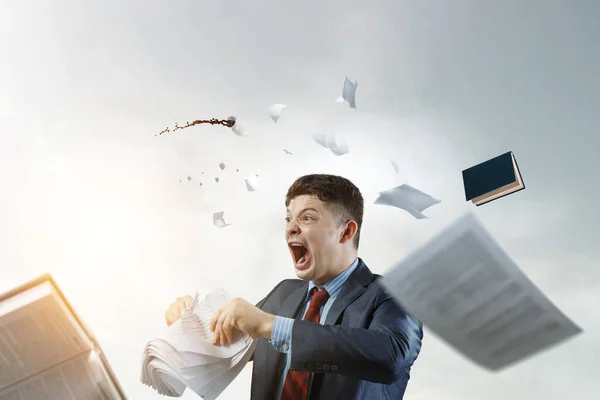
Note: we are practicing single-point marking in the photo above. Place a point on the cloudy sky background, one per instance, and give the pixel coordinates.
(91, 195)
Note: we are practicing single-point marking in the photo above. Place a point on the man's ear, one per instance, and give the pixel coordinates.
(351, 227)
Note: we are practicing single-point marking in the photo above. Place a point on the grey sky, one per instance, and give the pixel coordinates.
(88, 193)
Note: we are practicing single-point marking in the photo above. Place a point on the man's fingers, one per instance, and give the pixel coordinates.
(213, 321)
(224, 331)
(172, 314)
(216, 338)
(187, 300)
(219, 326)
(228, 331)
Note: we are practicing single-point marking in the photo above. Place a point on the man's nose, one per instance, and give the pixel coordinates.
(292, 228)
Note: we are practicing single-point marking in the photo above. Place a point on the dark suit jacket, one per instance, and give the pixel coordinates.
(364, 351)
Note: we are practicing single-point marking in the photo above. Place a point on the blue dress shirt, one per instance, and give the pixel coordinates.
(281, 334)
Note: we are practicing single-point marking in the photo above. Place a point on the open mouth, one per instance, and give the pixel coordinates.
(300, 253)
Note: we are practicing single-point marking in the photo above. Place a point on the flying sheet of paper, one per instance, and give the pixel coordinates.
(237, 128)
(218, 219)
(275, 111)
(251, 182)
(407, 198)
(395, 166)
(467, 290)
(336, 145)
(320, 139)
(348, 93)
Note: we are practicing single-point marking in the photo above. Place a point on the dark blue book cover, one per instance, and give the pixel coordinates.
(489, 175)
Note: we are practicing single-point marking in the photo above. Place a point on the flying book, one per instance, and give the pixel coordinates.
(492, 179)
(46, 352)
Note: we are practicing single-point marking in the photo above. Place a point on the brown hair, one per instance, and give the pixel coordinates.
(342, 197)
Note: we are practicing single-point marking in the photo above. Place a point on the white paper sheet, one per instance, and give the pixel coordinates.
(348, 93)
(212, 391)
(186, 357)
(335, 144)
(275, 112)
(465, 288)
(251, 182)
(219, 220)
(237, 128)
(407, 198)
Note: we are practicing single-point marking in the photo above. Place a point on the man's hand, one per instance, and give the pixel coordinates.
(242, 316)
(173, 313)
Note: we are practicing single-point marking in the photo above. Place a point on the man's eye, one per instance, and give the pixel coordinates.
(307, 218)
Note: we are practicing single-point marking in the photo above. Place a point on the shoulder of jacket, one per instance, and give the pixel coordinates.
(380, 290)
(287, 284)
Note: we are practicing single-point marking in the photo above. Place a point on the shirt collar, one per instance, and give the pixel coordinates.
(334, 286)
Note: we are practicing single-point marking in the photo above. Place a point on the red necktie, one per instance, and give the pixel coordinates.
(296, 382)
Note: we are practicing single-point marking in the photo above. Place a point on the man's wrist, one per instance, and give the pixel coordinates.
(267, 327)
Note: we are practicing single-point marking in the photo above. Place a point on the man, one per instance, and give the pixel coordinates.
(335, 333)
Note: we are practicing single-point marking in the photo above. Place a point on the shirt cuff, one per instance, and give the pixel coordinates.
(281, 334)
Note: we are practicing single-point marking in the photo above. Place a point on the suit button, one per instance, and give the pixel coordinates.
(310, 365)
(334, 367)
(325, 367)
(318, 366)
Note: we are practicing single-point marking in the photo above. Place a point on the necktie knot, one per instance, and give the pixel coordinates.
(319, 298)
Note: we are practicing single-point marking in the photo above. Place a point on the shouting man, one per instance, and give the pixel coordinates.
(334, 333)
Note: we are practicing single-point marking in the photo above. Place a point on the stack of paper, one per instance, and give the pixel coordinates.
(186, 356)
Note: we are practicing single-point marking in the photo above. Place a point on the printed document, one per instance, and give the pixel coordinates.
(468, 291)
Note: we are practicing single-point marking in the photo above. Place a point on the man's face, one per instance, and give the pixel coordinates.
(313, 237)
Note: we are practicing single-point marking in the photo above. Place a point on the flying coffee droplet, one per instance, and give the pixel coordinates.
(217, 180)
(222, 166)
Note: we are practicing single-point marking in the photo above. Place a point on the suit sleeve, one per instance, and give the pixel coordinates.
(381, 353)
(260, 305)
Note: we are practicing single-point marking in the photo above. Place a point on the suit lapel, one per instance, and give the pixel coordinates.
(353, 287)
(292, 303)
